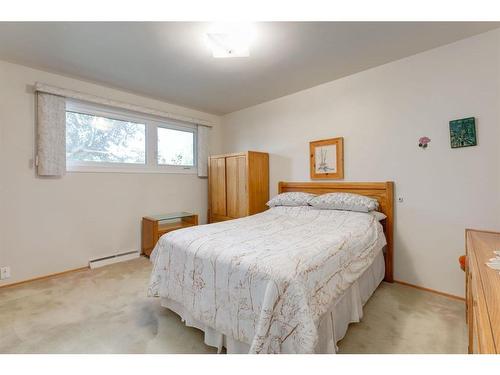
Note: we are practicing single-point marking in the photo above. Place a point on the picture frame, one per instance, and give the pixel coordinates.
(327, 159)
(463, 133)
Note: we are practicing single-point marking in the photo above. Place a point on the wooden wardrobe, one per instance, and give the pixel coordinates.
(238, 185)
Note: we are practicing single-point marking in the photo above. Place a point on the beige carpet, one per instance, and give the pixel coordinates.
(107, 311)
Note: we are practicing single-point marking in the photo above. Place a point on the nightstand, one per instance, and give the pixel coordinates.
(153, 227)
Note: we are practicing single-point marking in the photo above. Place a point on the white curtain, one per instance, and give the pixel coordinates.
(202, 151)
(51, 135)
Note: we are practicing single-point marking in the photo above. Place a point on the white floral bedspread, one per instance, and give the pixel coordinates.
(266, 279)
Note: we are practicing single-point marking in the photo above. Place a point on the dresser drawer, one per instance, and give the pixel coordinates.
(483, 293)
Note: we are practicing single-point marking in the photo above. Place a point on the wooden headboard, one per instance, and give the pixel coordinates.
(383, 192)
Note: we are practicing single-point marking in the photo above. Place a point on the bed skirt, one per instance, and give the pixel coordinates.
(347, 309)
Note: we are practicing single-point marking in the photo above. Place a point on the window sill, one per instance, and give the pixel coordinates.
(129, 169)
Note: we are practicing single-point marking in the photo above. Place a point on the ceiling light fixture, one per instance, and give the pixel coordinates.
(230, 40)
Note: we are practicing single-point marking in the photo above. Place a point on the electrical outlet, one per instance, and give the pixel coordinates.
(4, 273)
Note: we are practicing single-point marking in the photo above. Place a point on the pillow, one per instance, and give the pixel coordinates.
(344, 201)
(291, 199)
(378, 215)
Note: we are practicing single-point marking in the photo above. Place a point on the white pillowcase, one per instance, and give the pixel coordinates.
(291, 199)
(344, 201)
(378, 215)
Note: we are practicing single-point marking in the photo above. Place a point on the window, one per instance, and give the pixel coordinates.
(175, 147)
(99, 139)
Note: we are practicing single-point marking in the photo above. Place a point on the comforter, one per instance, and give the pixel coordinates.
(266, 279)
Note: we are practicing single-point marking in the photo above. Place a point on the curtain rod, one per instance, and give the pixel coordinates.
(42, 87)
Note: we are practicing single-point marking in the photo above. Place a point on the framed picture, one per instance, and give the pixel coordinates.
(463, 132)
(327, 159)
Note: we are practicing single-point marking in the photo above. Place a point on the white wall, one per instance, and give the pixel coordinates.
(52, 225)
(381, 113)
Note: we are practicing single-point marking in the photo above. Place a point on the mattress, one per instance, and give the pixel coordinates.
(266, 280)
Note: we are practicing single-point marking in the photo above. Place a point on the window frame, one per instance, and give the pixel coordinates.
(152, 123)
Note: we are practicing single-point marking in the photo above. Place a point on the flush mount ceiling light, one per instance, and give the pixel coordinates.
(230, 40)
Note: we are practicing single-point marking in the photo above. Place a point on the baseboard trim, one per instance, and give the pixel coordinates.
(431, 290)
(112, 259)
(45, 277)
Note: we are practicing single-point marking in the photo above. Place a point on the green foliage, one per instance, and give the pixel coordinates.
(92, 138)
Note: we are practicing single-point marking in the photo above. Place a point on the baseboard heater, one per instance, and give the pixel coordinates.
(115, 258)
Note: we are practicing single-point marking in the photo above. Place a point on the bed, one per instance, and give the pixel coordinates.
(288, 280)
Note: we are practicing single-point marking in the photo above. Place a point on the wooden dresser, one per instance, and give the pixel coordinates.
(482, 292)
(238, 185)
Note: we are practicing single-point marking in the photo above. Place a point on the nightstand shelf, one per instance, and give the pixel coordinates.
(153, 227)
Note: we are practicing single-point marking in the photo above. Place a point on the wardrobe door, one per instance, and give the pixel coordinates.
(217, 185)
(236, 186)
